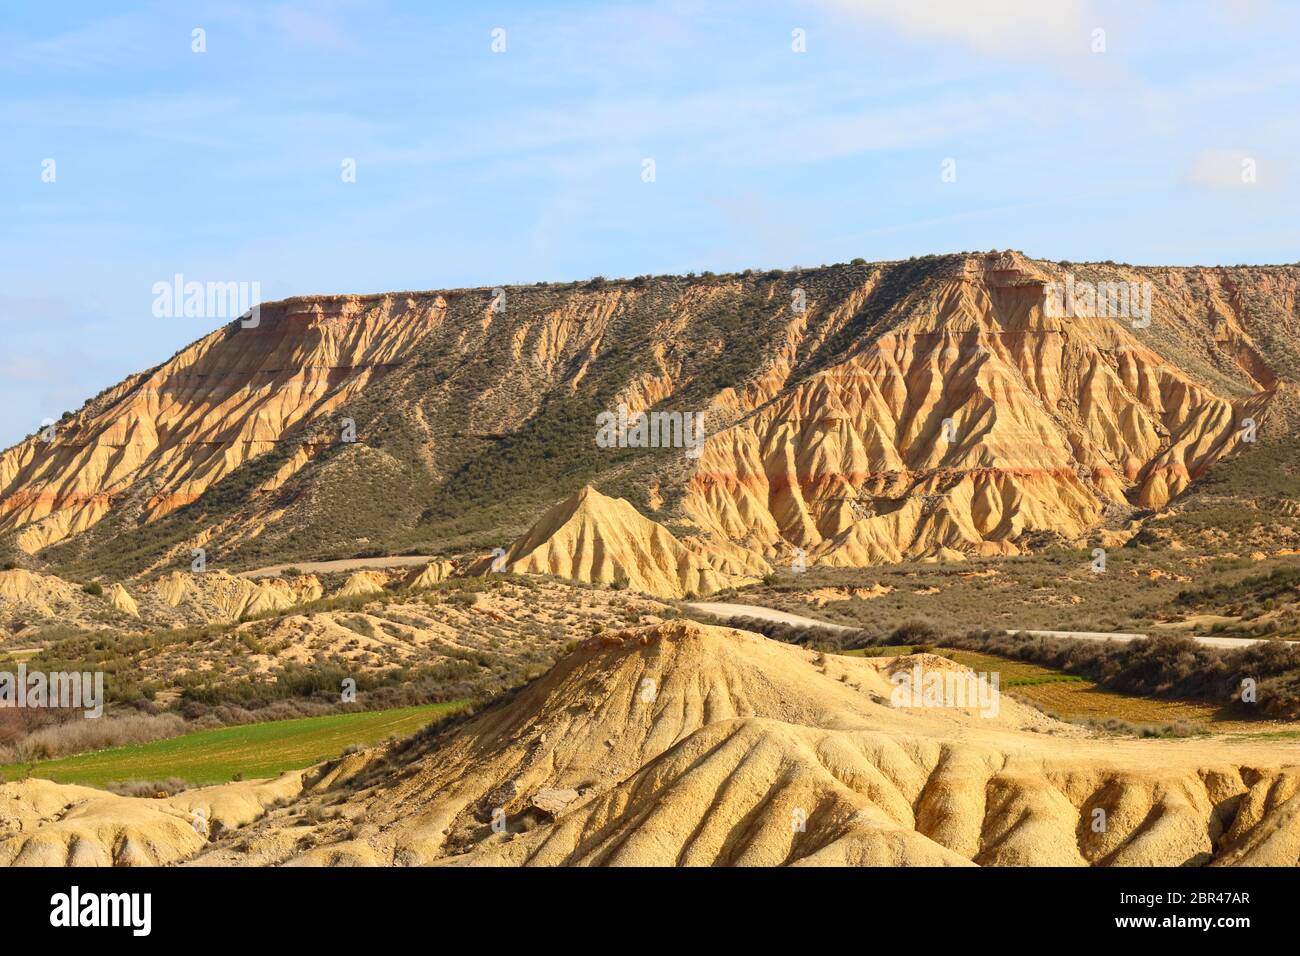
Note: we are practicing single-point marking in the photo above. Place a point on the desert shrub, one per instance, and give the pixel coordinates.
(1114, 725)
(301, 691)
(75, 735)
(914, 632)
(1256, 592)
(94, 589)
(1168, 666)
(147, 788)
(827, 639)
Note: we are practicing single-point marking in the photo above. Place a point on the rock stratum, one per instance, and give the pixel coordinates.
(854, 415)
(959, 432)
(684, 744)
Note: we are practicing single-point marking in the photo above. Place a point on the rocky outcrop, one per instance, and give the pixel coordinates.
(24, 592)
(361, 583)
(430, 574)
(121, 600)
(177, 598)
(49, 824)
(220, 596)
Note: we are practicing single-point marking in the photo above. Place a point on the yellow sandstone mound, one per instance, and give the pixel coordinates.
(430, 574)
(218, 596)
(49, 824)
(363, 582)
(177, 598)
(822, 596)
(43, 595)
(172, 588)
(596, 539)
(122, 601)
(271, 596)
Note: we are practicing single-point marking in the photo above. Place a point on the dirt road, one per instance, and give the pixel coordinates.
(725, 610)
(345, 564)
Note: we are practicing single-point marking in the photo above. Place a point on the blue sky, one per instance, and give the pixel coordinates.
(479, 168)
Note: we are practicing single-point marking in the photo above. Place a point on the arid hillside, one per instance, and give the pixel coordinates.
(852, 415)
(681, 744)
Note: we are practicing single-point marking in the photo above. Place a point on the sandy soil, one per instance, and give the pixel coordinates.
(344, 564)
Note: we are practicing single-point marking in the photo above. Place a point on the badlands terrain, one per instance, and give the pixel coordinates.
(824, 391)
(683, 744)
(406, 491)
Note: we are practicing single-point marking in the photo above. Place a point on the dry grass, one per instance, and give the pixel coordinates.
(77, 735)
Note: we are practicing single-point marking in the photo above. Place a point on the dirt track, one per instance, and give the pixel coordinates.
(727, 611)
(344, 564)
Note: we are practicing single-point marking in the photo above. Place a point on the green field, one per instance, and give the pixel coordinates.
(1012, 673)
(252, 750)
(1075, 698)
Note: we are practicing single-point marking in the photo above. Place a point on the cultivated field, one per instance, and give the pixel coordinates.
(1079, 700)
(249, 751)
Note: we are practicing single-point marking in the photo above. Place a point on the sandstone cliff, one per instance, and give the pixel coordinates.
(861, 413)
(963, 428)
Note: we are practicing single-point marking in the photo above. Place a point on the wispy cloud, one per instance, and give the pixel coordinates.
(1015, 29)
(477, 167)
(98, 45)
